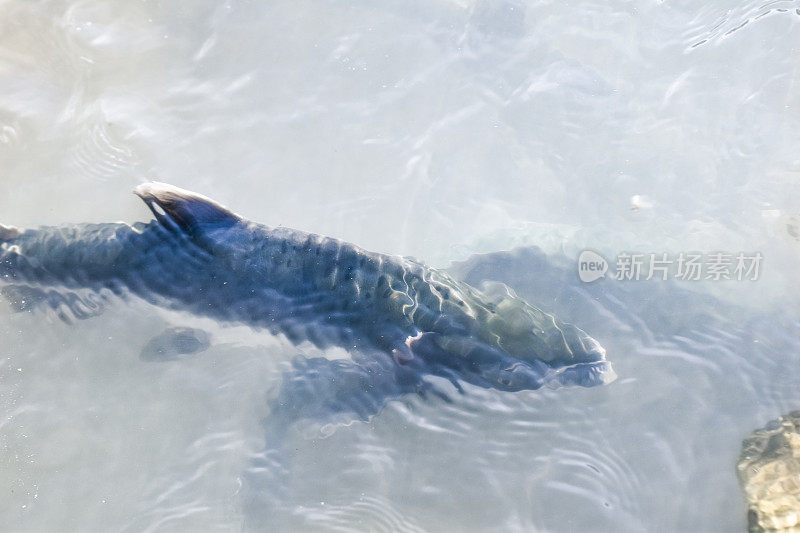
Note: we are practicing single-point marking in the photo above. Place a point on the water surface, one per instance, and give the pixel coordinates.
(436, 129)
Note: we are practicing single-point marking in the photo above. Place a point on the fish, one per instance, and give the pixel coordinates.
(399, 318)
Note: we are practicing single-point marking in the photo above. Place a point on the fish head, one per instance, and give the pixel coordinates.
(504, 320)
(467, 358)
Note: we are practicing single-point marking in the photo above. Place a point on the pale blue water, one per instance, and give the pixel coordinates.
(432, 129)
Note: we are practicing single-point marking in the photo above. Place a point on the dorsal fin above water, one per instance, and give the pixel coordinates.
(179, 209)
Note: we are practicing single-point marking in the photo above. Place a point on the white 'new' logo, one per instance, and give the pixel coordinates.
(591, 266)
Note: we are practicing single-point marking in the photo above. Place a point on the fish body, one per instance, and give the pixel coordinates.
(201, 257)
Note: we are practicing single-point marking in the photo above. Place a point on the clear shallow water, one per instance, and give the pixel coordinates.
(432, 129)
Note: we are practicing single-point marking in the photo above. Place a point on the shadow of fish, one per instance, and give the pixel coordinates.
(174, 342)
(413, 320)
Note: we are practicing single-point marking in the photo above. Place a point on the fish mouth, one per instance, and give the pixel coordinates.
(576, 346)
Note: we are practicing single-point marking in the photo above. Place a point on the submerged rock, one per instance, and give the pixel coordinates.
(769, 473)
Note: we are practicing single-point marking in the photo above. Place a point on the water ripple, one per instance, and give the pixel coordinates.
(368, 514)
(721, 25)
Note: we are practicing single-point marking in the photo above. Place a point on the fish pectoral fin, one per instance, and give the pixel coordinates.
(325, 391)
(181, 210)
(426, 387)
